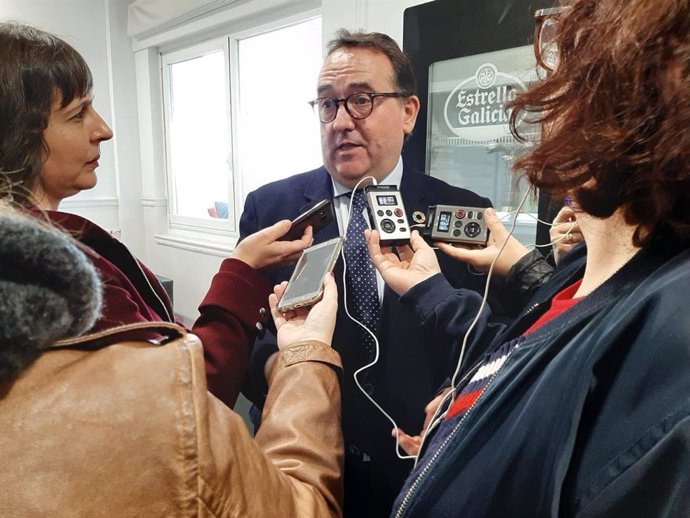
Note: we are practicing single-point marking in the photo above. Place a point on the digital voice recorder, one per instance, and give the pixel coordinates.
(454, 224)
(387, 214)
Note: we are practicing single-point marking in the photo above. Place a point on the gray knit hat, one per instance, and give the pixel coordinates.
(48, 290)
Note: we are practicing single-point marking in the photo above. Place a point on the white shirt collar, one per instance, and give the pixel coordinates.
(392, 178)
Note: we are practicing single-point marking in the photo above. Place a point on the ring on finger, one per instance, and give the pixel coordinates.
(569, 237)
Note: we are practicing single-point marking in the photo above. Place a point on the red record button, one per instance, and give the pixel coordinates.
(460, 213)
(398, 212)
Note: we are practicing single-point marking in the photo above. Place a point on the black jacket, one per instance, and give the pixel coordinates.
(590, 414)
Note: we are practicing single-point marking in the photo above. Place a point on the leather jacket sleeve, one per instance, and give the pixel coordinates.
(524, 279)
(293, 467)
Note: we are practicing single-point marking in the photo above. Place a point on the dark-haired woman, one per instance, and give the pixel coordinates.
(50, 136)
(582, 406)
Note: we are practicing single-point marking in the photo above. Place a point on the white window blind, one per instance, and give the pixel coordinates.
(145, 16)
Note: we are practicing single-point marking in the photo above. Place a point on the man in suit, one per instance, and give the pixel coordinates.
(362, 135)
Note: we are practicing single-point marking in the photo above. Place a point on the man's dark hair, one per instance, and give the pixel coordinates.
(402, 68)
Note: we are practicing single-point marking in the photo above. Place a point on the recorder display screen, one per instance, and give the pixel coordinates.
(444, 222)
(386, 200)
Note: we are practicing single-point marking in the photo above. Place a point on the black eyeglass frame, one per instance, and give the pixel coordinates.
(540, 17)
(344, 101)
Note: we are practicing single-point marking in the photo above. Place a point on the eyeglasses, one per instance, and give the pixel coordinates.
(545, 30)
(358, 105)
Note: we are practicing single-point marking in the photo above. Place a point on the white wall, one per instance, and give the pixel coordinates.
(370, 15)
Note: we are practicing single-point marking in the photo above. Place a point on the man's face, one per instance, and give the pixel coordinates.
(355, 148)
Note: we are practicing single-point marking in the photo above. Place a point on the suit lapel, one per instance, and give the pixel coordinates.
(413, 192)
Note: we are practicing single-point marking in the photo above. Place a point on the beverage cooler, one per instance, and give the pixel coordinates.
(471, 57)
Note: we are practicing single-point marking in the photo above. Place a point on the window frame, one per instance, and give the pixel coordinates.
(234, 40)
(225, 227)
(227, 38)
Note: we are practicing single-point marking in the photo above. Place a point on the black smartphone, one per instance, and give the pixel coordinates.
(305, 286)
(318, 217)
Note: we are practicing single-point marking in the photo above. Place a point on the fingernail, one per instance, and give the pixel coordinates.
(490, 212)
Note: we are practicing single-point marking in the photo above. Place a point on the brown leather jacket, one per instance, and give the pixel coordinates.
(106, 426)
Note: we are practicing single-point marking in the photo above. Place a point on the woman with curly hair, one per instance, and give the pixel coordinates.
(580, 407)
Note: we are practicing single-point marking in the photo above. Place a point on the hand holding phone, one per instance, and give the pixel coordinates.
(305, 286)
(318, 217)
(314, 323)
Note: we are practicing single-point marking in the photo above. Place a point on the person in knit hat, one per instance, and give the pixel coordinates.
(49, 290)
(110, 424)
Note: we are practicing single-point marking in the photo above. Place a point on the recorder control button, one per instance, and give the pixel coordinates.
(389, 212)
(457, 223)
(473, 229)
(387, 225)
(379, 213)
(479, 215)
(456, 232)
(460, 213)
(398, 212)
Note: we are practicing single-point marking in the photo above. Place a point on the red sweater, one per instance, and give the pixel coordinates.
(236, 301)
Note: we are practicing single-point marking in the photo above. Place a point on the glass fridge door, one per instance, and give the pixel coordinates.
(469, 143)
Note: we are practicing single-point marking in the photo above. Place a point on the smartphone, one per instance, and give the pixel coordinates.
(318, 217)
(305, 286)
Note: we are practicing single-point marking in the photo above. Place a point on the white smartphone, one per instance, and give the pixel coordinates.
(305, 287)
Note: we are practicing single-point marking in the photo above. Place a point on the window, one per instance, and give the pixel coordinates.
(198, 143)
(236, 117)
(278, 132)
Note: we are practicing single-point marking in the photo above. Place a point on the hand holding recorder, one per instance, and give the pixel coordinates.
(482, 258)
(413, 263)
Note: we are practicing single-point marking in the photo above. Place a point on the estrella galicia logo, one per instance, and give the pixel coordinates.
(475, 110)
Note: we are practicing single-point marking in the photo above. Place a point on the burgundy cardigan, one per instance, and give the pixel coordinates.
(233, 312)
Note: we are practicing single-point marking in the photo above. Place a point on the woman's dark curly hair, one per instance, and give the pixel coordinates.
(34, 67)
(616, 114)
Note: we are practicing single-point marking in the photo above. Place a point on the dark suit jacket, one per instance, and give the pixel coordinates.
(409, 370)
